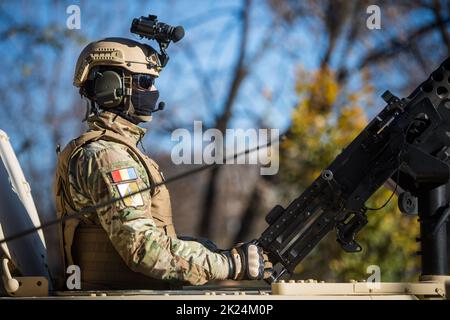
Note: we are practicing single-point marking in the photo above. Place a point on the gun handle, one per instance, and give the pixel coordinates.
(278, 272)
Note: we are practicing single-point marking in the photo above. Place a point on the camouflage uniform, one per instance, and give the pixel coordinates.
(101, 170)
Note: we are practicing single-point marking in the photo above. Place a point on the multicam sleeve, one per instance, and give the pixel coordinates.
(112, 173)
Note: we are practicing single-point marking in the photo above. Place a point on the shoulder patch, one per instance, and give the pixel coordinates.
(128, 188)
(125, 174)
(125, 180)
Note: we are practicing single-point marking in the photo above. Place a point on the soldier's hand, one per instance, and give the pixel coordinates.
(248, 262)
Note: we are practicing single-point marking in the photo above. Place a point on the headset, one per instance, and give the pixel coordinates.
(108, 87)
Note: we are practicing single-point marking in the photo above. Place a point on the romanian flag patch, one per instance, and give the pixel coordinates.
(124, 175)
(128, 188)
(126, 184)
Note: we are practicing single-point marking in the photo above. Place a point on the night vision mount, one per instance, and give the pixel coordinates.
(150, 28)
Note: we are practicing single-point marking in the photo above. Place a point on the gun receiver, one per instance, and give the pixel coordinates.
(407, 141)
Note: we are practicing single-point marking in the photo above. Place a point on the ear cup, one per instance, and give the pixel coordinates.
(108, 90)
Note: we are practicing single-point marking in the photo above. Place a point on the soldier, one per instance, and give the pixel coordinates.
(131, 243)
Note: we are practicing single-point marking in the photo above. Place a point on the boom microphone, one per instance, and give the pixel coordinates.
(161, 106)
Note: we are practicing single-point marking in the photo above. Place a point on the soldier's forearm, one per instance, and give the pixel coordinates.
(148, 250)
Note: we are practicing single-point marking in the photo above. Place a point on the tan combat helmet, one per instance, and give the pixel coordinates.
(131, 55)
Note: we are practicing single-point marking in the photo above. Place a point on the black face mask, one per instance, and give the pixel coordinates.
(144, 101)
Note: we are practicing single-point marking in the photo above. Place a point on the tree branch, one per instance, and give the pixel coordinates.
(240, 71)
(441, 25)
(396, 45)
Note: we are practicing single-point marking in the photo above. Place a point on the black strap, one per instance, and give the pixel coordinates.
(231, 268)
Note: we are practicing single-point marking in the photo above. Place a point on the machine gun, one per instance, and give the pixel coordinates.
(406, 142)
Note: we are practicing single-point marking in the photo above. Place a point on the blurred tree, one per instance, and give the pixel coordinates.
(404, 42)
(356, 53)
(241, 71)
(316, 137)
